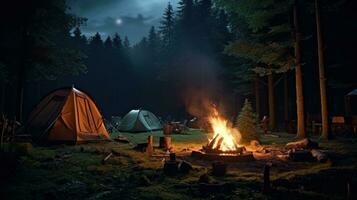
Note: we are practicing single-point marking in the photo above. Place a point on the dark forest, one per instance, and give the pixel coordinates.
(279, 75)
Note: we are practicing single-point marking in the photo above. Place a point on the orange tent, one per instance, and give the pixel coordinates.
(66, 115)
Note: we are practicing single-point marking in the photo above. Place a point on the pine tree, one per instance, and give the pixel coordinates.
(117, 43)
(126, 43)
(108, 44)
(267, 41)
(96, 41)
(185, 30)
(203, 24)
(77, 33)
(246, 123)
(167, 28)
(153, 40)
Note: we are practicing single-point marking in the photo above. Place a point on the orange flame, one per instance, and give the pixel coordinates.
(222, 129)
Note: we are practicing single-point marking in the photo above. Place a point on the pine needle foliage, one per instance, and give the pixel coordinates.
(246, 123)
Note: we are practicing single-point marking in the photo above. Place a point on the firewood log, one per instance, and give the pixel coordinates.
(302, 144)
(301, 156)
(219, 143)
(210, 144)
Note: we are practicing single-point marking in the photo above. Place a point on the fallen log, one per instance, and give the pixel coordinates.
(319, 155)
(301, 156)
(302, 144)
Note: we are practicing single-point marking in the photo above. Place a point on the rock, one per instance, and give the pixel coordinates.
(185, 167)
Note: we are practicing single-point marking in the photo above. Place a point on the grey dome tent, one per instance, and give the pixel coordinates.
(139, 121)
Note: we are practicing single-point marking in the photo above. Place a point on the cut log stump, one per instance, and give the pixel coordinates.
(150, 147)
(165, 143)
(266, 178)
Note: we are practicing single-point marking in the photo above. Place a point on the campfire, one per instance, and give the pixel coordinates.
(225, 138)
(224, 141)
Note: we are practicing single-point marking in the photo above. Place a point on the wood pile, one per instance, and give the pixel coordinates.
(305, 150)
(302, 144)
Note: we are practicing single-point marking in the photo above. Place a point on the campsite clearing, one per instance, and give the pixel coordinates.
(128, 174)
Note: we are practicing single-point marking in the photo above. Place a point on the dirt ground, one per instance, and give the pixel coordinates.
(77, 172)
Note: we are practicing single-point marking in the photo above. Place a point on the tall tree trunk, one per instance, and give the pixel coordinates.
(298, 76)
(324, 112)
(2, 104)
(271, 100)
(286, 100)
(257, 96)
(21, 76)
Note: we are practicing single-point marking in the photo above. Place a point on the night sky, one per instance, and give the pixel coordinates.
(132, 18)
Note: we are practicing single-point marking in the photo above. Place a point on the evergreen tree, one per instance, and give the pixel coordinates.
(153, 40)
(79, 40)
(108, 44)
(96, 41)
(247, 124)
(204, 25)
(185, 29)
(153, 45)
(117, 43)
(43, 49)
(267, 40)
(126, 43)
(77, 33)
(167, 28)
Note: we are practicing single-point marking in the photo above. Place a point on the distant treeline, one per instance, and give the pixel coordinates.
(218, 49)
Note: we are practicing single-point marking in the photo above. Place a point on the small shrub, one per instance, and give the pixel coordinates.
(247, 124)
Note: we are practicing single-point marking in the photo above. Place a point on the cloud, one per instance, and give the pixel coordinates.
(133, 27)
(137, 16)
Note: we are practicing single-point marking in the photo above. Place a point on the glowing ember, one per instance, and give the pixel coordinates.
(225, 137)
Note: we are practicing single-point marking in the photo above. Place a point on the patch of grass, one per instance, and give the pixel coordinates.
(62, 171)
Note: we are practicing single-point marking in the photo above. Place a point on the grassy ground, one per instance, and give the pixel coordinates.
(77, 172)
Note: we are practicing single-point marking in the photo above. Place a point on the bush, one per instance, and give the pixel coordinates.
(247, 124)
